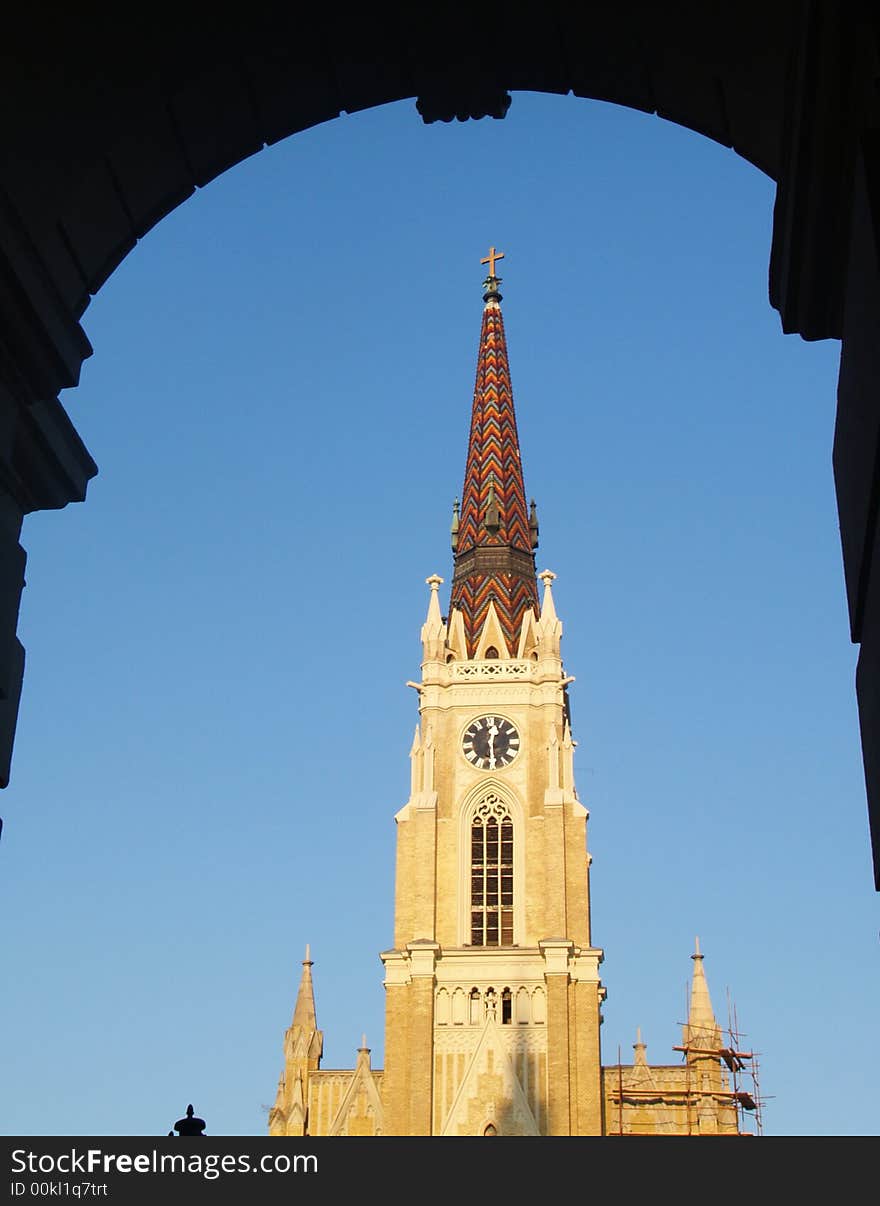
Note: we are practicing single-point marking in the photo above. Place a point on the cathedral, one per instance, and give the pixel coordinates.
(493, 995)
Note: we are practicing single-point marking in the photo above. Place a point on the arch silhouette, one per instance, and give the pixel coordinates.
(114, 131)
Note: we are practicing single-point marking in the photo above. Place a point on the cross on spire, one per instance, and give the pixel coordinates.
(491, 258)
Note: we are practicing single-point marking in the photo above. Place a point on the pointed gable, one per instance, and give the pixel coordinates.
(493, 639)
(360, 1112)
(490, 1093)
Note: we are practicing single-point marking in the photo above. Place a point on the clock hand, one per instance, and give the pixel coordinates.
(493, 732)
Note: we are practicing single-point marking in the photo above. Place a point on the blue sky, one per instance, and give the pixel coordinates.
(214, 728)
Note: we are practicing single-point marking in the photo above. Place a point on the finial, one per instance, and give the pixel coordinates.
(433, 629)
(491, 283)
(639, 1047)
(190, 1125)
(363, 1053)
(493, 519)
(533, 524)
(307, 962)
(696, 954)
(453, 531)
(547, 576)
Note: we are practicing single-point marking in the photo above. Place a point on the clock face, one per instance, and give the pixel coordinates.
(490, 743)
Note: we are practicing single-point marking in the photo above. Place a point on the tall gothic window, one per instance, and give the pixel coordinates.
(492, 874)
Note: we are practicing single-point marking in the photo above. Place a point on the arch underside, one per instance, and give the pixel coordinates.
(113, 126)
(142, 125)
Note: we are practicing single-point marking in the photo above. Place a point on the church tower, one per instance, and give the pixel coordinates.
(492, 987)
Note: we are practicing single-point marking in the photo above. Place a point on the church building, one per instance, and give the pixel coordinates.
(492, 986)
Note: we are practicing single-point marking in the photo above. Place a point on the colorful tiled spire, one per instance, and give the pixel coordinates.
(494, 532)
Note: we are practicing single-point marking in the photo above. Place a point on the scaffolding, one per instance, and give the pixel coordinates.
(741, 1089)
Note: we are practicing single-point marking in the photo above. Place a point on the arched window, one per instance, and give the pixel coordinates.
(492, 874)
(475, 1010)
(523, 1007)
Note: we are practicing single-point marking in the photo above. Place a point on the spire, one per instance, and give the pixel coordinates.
(303, 1046)
(548, 607)
(701, 1032)
(434, 628)
(304, 1011)
(549, 625)
(495, 532)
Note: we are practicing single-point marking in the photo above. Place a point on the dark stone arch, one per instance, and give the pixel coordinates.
(116, 126)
